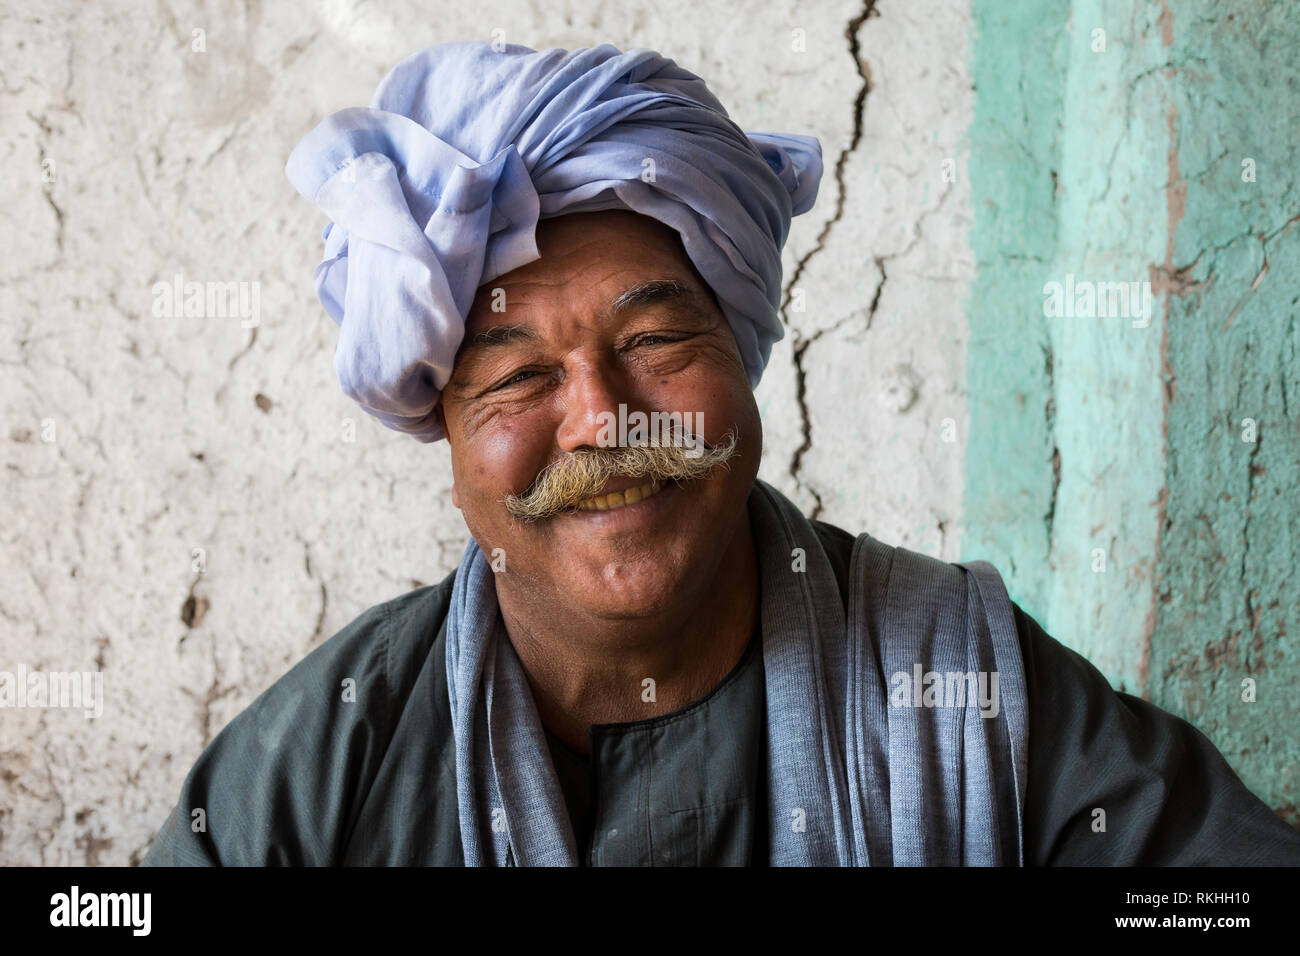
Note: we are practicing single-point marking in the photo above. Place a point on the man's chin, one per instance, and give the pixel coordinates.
(623, 590)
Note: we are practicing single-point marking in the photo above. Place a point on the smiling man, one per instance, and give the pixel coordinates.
(648, 656)
(649, 573)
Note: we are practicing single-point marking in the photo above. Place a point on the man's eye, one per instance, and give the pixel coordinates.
(659, 339)
(515, 379)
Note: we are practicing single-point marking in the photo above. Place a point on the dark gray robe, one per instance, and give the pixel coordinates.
(306, 777)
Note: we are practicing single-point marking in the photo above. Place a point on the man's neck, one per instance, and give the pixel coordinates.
(585, 670)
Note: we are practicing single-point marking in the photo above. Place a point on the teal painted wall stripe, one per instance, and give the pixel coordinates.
(1015, 150)
(1228, 605)
(1122, 436)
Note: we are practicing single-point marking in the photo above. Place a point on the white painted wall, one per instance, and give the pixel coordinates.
(170, 435)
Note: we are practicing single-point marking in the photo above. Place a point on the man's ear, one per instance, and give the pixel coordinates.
(455, 495)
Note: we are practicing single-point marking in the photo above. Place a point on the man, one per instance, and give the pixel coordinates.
(648, 656)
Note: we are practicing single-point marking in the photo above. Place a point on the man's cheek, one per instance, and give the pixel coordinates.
(506, 462)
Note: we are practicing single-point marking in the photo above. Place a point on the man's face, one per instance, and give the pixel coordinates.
(530, 385)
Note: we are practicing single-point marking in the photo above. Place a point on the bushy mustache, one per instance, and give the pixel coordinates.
(582, 474)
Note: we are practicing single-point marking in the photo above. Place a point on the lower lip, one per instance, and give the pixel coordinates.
(645, 511)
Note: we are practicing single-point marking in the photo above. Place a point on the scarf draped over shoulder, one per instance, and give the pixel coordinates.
(876, 754)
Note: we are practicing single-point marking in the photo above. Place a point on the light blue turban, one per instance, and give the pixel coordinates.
(437, 188)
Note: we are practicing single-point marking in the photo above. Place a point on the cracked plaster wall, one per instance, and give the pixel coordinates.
(130, 441)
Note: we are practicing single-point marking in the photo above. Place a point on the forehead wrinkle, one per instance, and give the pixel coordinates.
(669, 292)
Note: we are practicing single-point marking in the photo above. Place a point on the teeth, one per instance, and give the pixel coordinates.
(618, 499)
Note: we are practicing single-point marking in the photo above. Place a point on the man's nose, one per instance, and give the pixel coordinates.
(591, 394)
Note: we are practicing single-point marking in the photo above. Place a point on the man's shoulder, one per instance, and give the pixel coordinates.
(901, 567)
(284, 780)
(377, 651)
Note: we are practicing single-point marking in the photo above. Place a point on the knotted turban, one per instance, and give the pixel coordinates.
(437, 188)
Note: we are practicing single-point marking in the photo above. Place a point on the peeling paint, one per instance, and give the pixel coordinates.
(1128, 440)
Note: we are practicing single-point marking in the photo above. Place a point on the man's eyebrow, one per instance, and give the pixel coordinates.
(499, 335)
(640, 296)
(656, 292)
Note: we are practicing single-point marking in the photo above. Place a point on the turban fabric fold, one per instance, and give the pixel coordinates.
(437, 188)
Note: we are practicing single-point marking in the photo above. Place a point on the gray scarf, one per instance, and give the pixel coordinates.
(861, 769)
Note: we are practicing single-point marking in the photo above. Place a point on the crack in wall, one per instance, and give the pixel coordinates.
(875, 299)
(213, 694)
(43, 153)
(1264, 240)
(59, 224)
(801, 343)
(1290, 337)
(1049, 415)
(324, 594)
(1252, 470)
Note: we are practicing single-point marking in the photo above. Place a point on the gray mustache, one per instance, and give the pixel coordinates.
(582, 474)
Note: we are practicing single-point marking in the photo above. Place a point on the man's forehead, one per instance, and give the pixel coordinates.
(605, 266)
(622, 298)
(487, 327)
